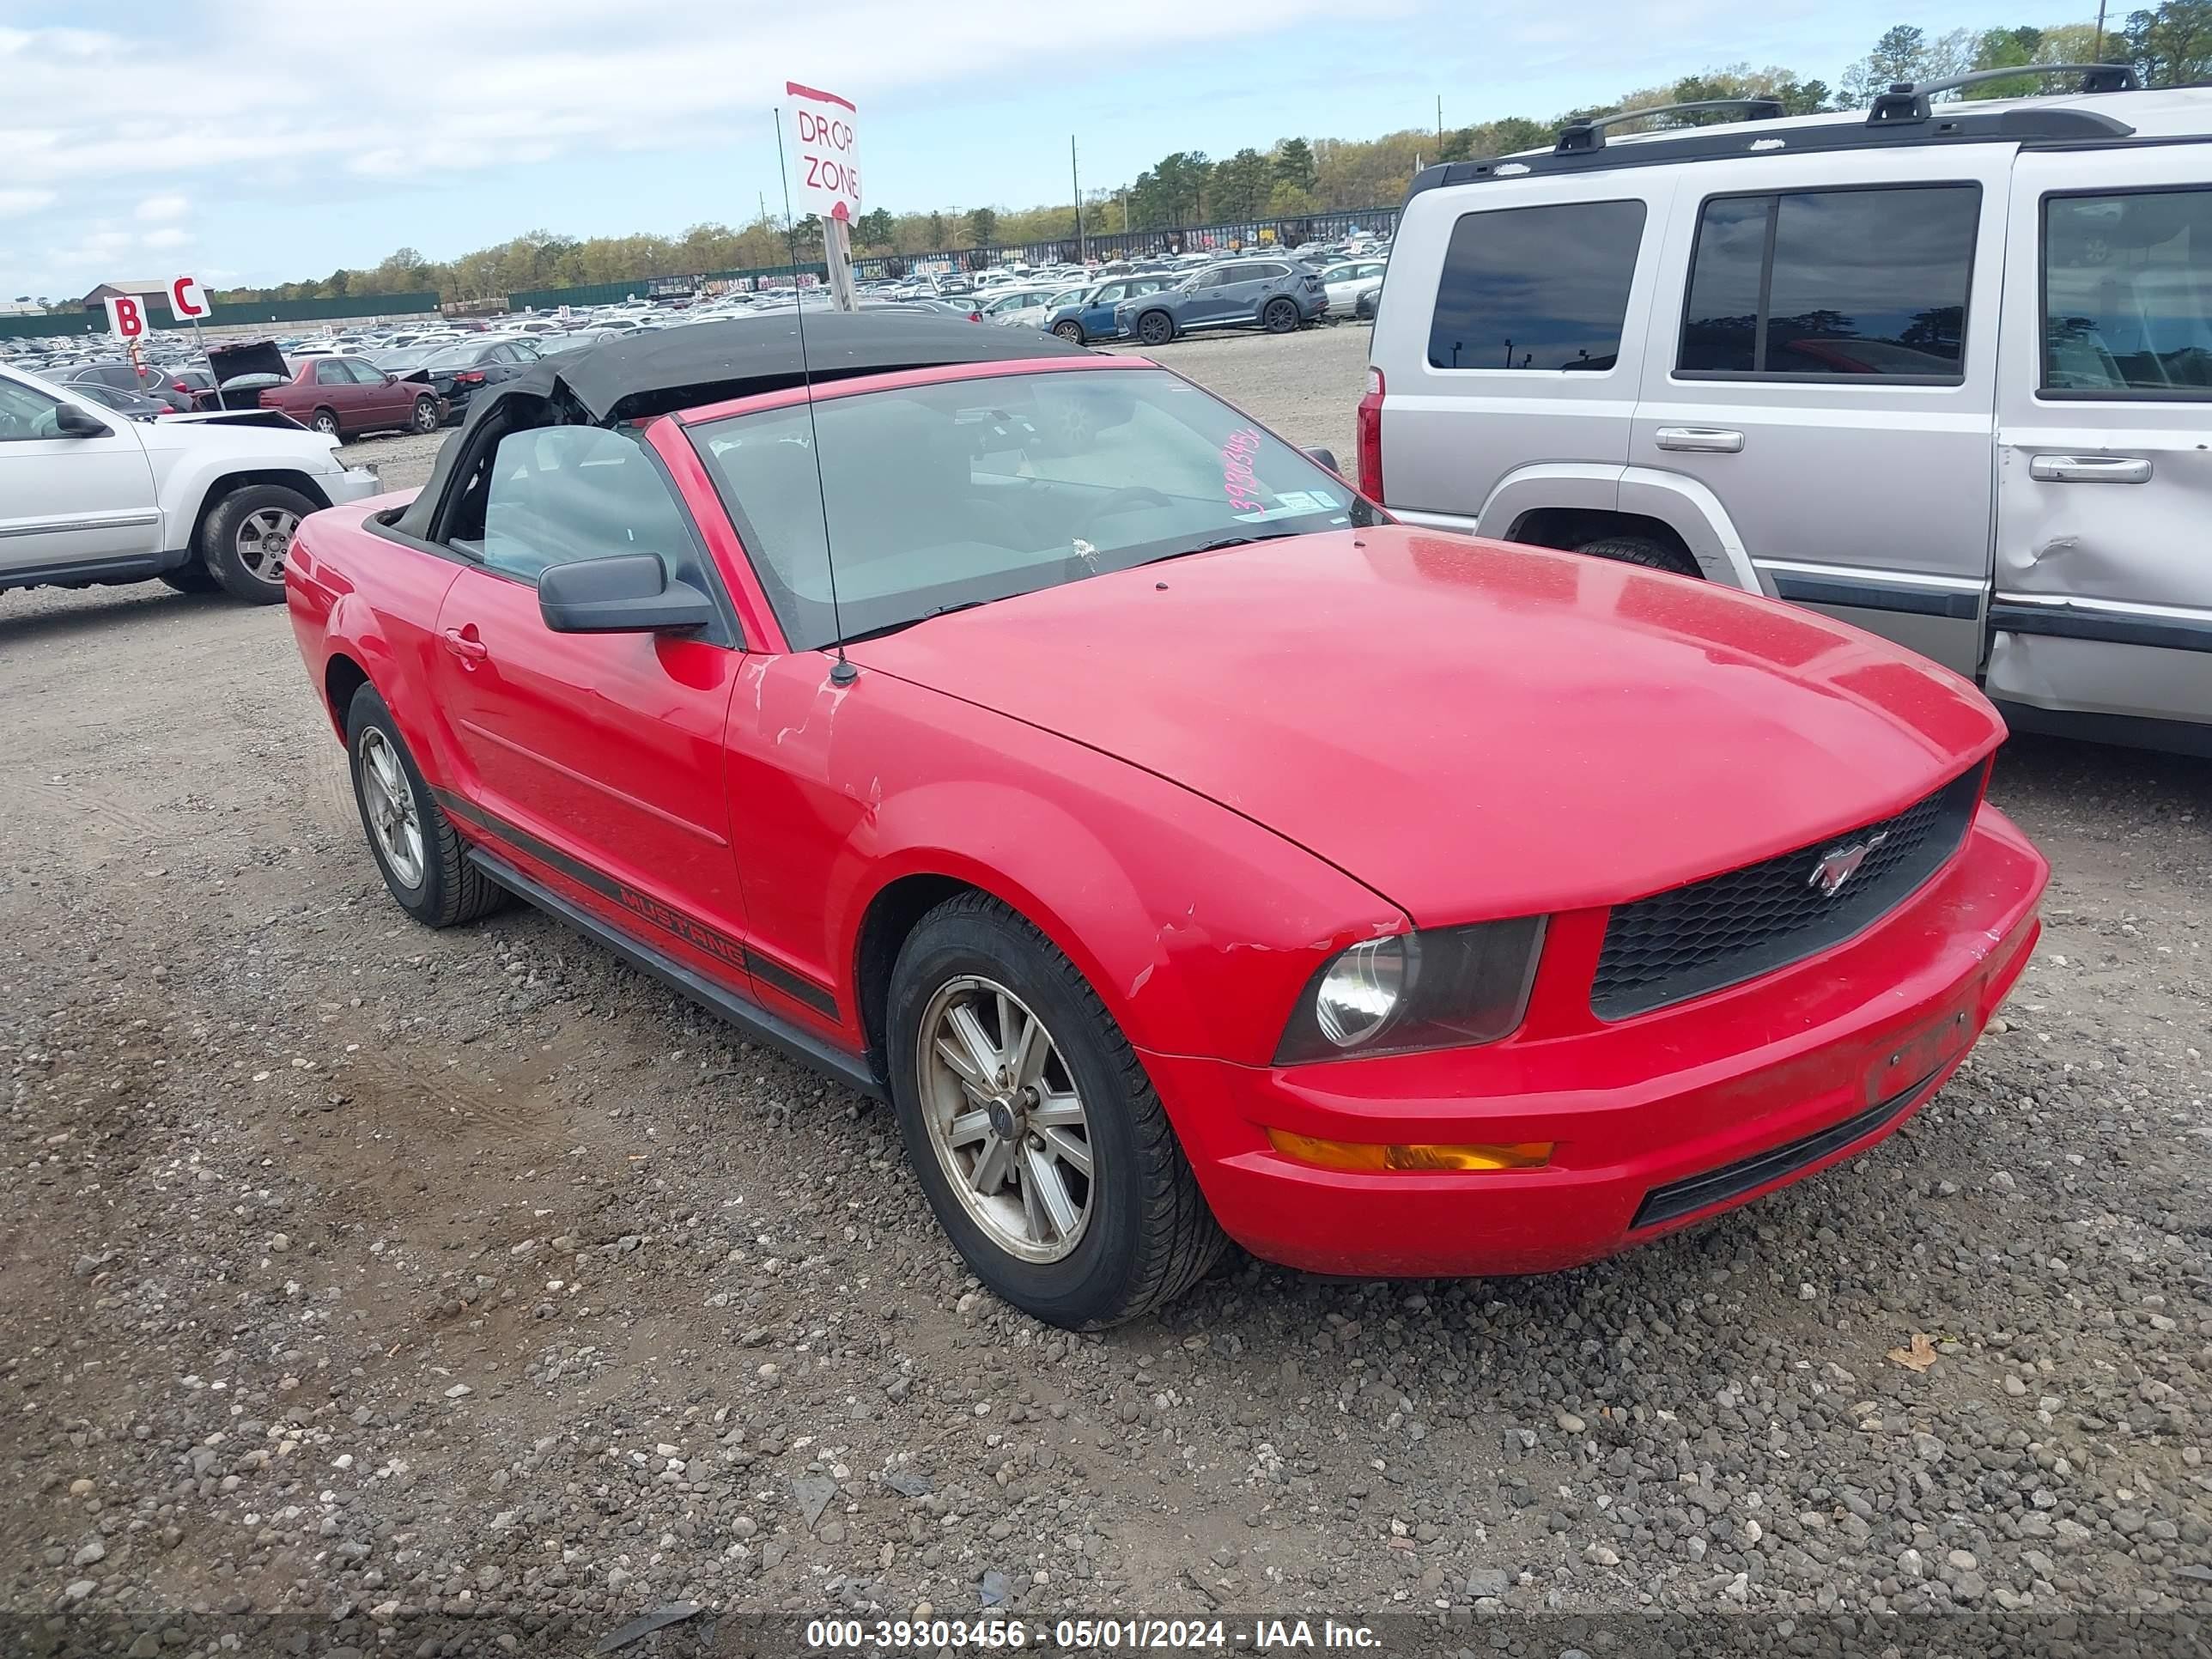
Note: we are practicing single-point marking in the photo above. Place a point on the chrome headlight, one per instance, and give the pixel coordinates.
(1443, 987)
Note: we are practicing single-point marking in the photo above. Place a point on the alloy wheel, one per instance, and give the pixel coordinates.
(264, 535)
(1005, 1119)
(388, 803)
(425, 416)
(327, 425)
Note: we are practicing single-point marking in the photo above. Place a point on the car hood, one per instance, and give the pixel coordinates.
(285, 442)
(1470, 728)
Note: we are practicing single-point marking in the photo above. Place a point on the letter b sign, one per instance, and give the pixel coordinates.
(126, 317)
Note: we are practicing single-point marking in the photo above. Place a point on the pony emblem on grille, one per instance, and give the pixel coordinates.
(1838, 867)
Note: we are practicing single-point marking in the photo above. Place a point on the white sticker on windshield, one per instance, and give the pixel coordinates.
(1324, 502)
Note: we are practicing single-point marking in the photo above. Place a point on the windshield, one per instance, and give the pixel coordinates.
(946, 495)
(407, 357)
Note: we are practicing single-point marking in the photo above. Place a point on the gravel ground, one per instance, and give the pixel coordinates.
(390, 1277)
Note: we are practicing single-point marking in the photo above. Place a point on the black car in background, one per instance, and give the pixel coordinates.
(458, 373)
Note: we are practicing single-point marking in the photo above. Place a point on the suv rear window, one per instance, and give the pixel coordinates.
(2127, 295)
(1833, 284)
(1537, 288)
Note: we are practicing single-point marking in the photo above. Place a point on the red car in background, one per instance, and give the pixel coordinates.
(344, 397)
(1182, 846)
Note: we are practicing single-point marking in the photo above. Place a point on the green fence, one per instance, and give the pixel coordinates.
(246, 314)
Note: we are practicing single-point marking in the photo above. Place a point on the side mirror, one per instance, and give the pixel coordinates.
(627, 593)
(390, 378)
(1326, 458)
(71, 422)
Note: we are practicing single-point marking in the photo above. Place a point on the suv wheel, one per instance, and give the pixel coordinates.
(244, 536)
(1642, 550)
(417, 851)
(1156, 328)
(1279, 316)
(1036, 1136)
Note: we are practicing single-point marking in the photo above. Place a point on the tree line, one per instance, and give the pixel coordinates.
(2170, 45)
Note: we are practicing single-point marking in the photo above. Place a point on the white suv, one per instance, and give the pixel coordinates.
(89, 496)
(1943, 370)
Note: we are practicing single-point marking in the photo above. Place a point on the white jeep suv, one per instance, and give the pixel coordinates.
(87, 496)
(1940, 368)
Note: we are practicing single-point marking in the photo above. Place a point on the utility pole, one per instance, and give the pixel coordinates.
(2097, 52)
(1440, 120)
(1076, 179)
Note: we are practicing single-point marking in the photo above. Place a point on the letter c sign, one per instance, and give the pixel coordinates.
(187, 299)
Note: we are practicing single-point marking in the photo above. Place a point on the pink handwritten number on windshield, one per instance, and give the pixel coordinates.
(1236, 480)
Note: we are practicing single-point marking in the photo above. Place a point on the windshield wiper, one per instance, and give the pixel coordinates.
(1224, 541)
(897, 627)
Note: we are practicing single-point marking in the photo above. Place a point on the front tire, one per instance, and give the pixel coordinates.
(1279, 316)
(422, 859)
(244, 536)
(425, 415)
(1071, 332)
(1155, 328)
(1038, 1137)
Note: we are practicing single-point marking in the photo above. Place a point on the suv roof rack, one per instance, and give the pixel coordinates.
(1588, 134)
(2036, 125)
(1909, 100)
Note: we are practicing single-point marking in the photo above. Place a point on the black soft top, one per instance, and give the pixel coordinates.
(657, 370)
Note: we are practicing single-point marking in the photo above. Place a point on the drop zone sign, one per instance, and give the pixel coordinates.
(827, 151)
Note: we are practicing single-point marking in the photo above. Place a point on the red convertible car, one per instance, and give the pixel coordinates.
(1182, 847)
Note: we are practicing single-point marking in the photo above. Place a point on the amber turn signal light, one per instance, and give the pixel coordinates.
(1357, 1155)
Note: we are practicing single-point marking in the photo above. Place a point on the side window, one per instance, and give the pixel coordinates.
(1537, 288)
(1839, 283)
(561, 494)
(25, 414)
(2127, 295)
(329, 371)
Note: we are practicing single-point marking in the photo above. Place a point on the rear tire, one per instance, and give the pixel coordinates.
(1155, 328)
(439, 887)
(191, 577)
(325, 420)
(1279, 316)
(1643, 550)
(244, 536)
(1142, 1233)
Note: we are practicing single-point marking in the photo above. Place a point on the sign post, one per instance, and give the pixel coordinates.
(188, 299)
(829, 161)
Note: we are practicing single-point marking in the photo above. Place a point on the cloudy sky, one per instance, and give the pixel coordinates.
(251, 140)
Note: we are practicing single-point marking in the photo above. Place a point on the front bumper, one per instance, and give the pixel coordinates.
(1657, 1121)
(355, 483)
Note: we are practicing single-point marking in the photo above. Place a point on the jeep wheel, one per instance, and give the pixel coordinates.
(1156, 328)
(1642, 550)
(1037, 1135)
(1279, 316)
(244, 536)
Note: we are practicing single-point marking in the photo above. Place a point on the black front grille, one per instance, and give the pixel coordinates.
(1690, 941)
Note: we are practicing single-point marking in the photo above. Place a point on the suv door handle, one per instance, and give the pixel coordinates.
(2090, 468)
(470, 649)
(1709, 439)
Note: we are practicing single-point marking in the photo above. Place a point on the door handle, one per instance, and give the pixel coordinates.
(2090, 468)
(470, 649)
(1707, 439)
